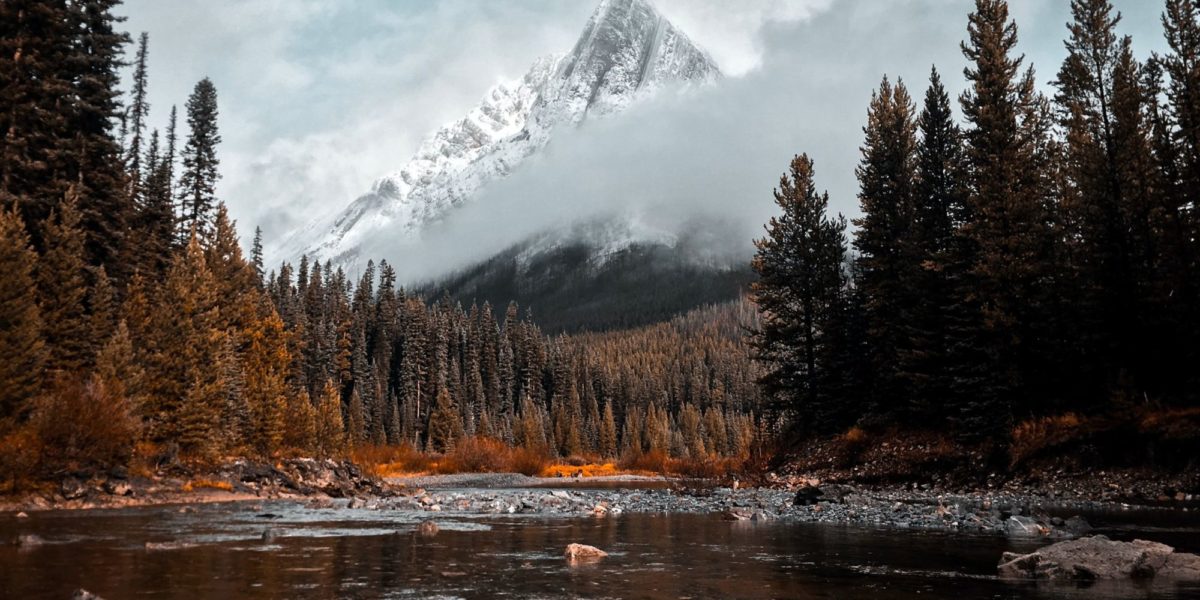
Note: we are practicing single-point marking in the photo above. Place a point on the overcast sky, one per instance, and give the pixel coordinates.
(320, 97)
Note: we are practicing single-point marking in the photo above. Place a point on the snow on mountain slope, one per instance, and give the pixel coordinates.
(626, 50)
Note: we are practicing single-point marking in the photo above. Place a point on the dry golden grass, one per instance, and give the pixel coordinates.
(586, 470)
(1035, 435)
(207, 484)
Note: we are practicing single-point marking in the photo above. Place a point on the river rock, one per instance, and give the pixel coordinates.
(82, 594)
(22, 515)
(576, 553)
(1019, 526)
(1098, 557)
(72, 488)
(28, 540)
(427, 529)
(269, 535)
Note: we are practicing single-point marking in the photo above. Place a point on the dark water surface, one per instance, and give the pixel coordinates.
(375, 554)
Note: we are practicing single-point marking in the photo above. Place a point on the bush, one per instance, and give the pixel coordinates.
(80, 424)
(1035, 435)
(391, 461)
(475, 455)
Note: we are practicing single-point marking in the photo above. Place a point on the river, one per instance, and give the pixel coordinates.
(343, 553)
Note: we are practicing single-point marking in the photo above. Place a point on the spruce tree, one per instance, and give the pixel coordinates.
(198, 183)
(22, 351)
(265, 362)
(139, 111)
(799, 266)
(887, 260)
(62, 289)
(938, 209)
(445, 425)
(98, 174)
(1007, 220)
(331, 433)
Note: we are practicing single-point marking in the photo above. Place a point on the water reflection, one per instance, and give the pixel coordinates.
(376, 554)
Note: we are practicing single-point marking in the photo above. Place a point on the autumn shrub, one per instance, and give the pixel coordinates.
(391, 461)
(475, 455)
(1036, 435)
(526, 462)
(80, 424)
(705, 467)
(20, 452)
(207, 484)
(654, 461)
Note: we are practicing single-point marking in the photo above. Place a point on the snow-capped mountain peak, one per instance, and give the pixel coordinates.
(626, 50)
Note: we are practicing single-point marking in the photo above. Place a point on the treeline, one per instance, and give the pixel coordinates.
(131, 322)
(1036, 260)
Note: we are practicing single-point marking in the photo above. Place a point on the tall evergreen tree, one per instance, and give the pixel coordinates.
(938, 209)
(198, 183)
(1007, 221)
(887, 260)
(139, 110)
(62, 289)
(22, 351)
(799, 265)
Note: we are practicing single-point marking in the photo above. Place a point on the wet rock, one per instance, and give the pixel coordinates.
(1020, 526)
(269, 536)
(118, 487)
(72, 488)
(1098, 557)
(581, 553)
(28, 540)
(22, 515)
(736, 514)
(82, 594)
(1077, 526)
(427, 529)
(807, 495)
(155, 546)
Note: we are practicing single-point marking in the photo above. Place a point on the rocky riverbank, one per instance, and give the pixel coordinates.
(1008, 514)
(234, 481)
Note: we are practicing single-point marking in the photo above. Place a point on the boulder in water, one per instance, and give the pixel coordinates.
(577, 553)
(1097, 557)
(427, 529)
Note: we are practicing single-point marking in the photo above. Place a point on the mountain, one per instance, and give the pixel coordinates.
(601, 271)
(626, 50)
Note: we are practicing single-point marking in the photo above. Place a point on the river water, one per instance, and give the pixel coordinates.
(341, 553)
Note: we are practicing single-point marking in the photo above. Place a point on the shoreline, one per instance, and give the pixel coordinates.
(1024, 514)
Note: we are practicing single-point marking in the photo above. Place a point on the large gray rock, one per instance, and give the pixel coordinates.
(1098, 557)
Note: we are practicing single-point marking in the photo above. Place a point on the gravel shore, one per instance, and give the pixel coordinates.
(995, 513)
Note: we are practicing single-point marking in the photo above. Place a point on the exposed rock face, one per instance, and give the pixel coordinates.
(579, 553)
(1098, 557)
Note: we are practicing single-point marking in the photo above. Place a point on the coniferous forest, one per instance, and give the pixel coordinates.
(1019, 276)
(1024, 265)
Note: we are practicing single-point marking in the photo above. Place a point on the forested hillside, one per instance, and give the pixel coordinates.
(133, 325)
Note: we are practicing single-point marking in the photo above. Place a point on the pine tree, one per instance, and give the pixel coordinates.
(887, 260)
(256, 256)
(938, 209)
(1007, 222)
(61, 293)
(301, 430)
(266, 362)
(331, 433)
(22, 352)
(35, 44)
(98, 174)
(118, 369)
(197, 184)
(139, 110)
(608, 433)
(799, 265)
(445, 425)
